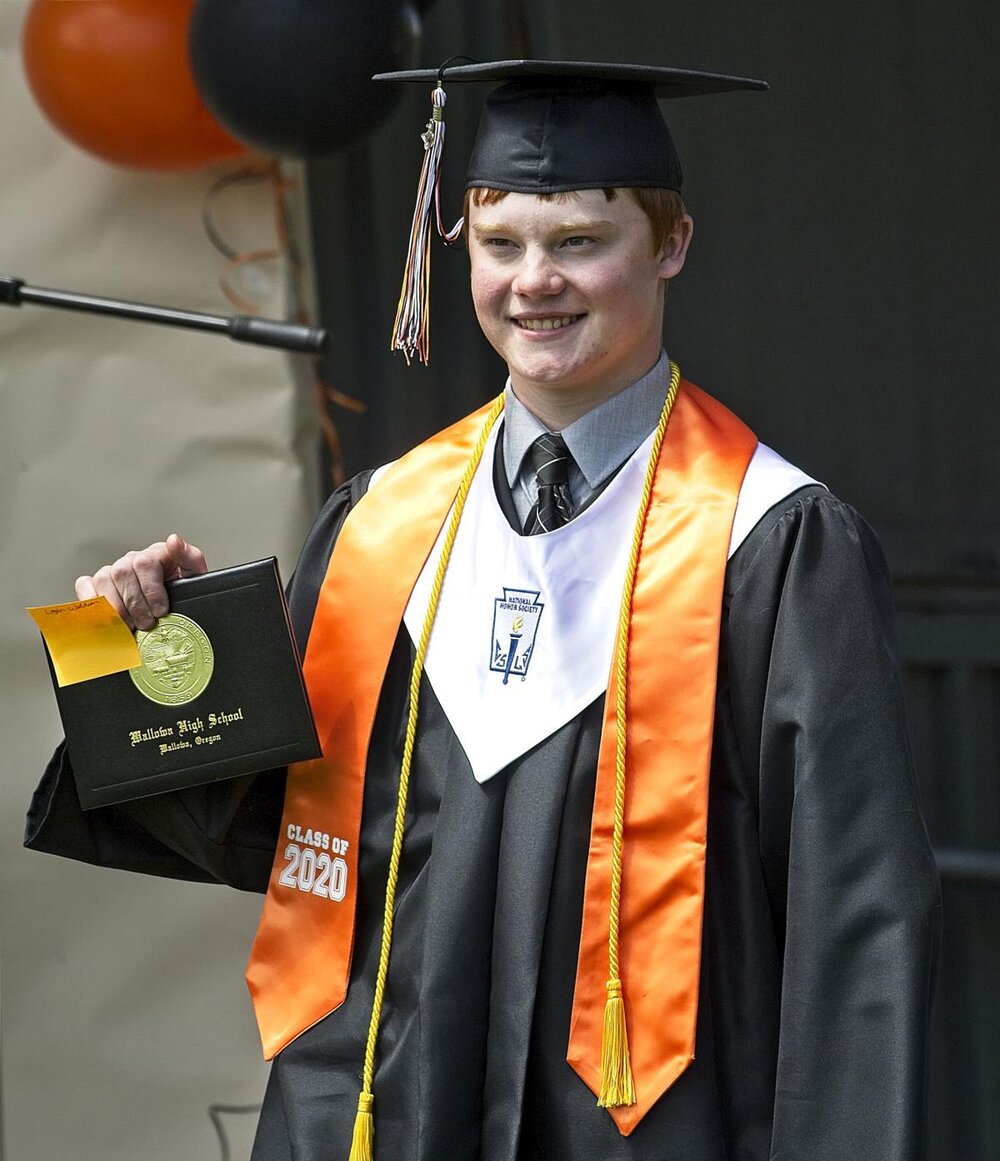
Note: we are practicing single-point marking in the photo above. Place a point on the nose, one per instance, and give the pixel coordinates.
(538, 274)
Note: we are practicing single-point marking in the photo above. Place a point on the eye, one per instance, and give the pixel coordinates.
(497, 244)
(578, 241)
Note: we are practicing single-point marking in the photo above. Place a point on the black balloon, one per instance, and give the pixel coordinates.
(292, 77)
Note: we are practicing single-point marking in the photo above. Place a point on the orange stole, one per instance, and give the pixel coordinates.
(300, 963)
(673, 664)
(301, 957)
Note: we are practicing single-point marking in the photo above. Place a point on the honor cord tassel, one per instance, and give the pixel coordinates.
(363, 1141)
(617, 1083)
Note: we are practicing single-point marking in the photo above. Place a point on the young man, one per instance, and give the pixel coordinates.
(686, 911)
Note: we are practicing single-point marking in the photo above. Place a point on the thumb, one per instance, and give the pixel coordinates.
(188, 559)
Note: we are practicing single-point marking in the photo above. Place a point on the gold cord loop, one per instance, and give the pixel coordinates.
(617, 1085)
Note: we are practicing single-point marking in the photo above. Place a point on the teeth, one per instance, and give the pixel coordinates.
(546, 324)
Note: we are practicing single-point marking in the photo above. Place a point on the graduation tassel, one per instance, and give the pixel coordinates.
(411, 330)
(363, 1141)
(617, 1083)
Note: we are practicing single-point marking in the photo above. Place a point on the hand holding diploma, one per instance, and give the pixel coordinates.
(135, 583)
(213, 690)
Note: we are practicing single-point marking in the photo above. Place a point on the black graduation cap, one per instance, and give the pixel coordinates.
(550, 127)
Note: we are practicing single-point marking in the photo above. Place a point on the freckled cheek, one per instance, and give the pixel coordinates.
(627, 285)
(489, 296)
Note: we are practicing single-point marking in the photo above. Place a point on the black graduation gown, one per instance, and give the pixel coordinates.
(821, 906)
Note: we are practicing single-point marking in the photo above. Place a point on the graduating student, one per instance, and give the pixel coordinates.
(615, 848)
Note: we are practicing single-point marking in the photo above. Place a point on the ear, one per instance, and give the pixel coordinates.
(672, 256)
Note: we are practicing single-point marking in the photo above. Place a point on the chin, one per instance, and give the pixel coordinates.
(554, 371)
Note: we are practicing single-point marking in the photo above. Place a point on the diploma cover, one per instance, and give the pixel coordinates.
(220, 693)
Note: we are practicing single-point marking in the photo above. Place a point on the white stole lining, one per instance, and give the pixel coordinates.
(569, 596)
(572, 633)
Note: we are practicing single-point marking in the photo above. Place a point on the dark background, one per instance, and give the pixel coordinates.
(841, 295)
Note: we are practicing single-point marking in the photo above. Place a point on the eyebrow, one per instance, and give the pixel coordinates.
(572, 226)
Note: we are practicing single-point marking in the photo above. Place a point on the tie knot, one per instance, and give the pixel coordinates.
(549, 458)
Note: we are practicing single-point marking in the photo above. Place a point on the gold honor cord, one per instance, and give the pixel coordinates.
(617, 1085)
(362, 1143)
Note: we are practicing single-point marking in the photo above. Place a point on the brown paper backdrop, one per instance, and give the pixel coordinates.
(124, 1014)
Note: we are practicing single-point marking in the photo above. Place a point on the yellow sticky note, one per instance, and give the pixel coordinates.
(86, 639)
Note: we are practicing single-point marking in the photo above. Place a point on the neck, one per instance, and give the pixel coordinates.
(557, 407)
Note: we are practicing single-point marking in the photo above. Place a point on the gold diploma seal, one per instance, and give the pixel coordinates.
(177, 661)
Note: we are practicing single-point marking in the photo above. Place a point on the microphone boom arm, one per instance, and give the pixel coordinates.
(241, 328)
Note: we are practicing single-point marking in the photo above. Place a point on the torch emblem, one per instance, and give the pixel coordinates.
(515, 623)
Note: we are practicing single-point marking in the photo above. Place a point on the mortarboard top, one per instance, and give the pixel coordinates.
(553, 126)
(550, 127)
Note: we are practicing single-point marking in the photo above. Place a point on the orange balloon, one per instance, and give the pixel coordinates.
(114, 77)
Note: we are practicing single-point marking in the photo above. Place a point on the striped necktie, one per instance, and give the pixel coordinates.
(549, 457)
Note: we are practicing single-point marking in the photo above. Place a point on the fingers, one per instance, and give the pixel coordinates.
(135, 583)
(100, 585)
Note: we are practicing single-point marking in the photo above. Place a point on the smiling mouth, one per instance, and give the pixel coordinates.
(555, 323)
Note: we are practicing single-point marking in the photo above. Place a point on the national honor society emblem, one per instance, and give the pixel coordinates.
(177, 661)
(515, 623)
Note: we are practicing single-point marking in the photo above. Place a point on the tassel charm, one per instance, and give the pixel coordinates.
(363, 1141)
(617, 1086)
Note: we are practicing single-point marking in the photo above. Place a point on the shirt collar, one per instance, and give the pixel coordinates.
(600, 441)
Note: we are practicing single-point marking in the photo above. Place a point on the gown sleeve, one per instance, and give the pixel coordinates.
(851, 880)
(221, 832)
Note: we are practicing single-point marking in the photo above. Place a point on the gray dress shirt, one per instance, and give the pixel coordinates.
(599, 442)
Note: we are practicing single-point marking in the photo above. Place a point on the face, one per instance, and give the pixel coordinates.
(570, 293)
